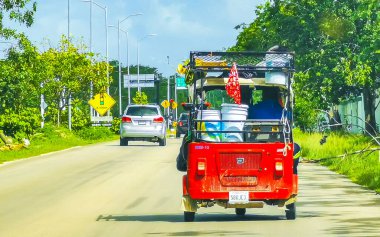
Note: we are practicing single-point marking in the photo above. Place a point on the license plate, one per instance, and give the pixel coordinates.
(238, 197)
(142, 122)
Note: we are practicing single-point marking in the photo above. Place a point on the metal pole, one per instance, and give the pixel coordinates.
(175, 95)
(129, 77)
(168, 94)
(68, 39)
(69, 111)
(91, 85)
(118, 46)
(68, 20)
(138, 62)
(138, 68)
(107, 60)
(118, 56)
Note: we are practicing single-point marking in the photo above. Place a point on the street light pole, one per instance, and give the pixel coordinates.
(90, 49)
(126, 34)
(68, 39)
(118, 53)
(68, 20)
(107, 56)
(129, 83)
(168, 93)
(138, 62)
(106, 28)
(119, 66)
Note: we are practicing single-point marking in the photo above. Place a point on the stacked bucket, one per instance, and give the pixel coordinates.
(211, 126)
(231, 112)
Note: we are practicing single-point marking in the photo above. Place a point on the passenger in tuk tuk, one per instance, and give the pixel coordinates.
(270, 107)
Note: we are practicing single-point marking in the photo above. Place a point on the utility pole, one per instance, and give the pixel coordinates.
(68, 40)
(168, 92)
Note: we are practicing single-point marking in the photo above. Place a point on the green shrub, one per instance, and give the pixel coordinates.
(116, 125)
(20, 125)
(94, 133)
(80, 115)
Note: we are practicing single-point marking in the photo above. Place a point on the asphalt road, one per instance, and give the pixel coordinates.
(108, 190)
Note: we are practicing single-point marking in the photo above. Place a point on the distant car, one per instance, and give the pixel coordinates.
(142, 123)
(183, 121)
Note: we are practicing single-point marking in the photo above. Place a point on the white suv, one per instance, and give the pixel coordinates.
(142, 123)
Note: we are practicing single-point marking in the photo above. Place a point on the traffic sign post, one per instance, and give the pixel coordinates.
(181, 84)
(165, 104)
(102, 102)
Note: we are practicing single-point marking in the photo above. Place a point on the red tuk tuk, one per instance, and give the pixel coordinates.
(239, 155)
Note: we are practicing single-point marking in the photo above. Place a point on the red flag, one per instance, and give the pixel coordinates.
(233, 86)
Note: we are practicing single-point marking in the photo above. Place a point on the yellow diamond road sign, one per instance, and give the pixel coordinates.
(102, 102)
(174, 105)
(165, 104)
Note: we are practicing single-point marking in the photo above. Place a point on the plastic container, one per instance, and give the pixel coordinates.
(209, 126)
(233, 112)
(276, 60)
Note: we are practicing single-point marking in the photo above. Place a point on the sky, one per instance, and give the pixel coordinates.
(181, 26)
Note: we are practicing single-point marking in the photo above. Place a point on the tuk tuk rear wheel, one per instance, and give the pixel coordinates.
(291, 211)
(240, 211)
(188, 216)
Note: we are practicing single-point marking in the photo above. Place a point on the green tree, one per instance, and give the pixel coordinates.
(69, 72)
(20, 77)
(140, 98)
(335, 43)
(15, 10)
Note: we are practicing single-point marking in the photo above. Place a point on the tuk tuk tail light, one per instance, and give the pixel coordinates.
(201, 167)
(279, 169)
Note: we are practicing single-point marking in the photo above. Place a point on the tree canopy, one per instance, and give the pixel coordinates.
(21, 11)
(335, 43)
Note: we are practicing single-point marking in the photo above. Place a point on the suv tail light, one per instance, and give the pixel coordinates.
(126, 119)
(158, 120)
(180, 123)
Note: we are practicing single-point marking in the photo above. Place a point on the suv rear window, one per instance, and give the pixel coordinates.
(142, 111)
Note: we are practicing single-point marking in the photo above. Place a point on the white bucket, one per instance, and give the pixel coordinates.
(233, 112)
(209, 126)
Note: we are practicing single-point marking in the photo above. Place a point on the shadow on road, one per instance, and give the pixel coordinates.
(173, 218)
(137, 145)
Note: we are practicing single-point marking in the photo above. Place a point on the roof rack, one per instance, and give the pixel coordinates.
(249, 62)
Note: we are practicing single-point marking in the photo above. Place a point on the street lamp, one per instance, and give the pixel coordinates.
(106, 28)
(138, 62)
(129, 86)
(118, 55)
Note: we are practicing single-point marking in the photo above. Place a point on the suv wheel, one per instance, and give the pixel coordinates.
(162, 141)
(123, 142)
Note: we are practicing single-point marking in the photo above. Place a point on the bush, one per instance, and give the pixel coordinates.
(116, 125)
(20, 125)
(94, 133)
(80, 115)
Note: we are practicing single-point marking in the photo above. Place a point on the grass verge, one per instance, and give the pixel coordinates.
(362, 168)
(51, 139)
